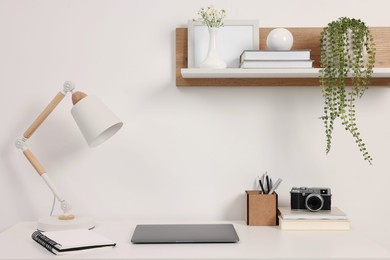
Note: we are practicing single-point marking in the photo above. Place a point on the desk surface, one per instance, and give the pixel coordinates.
(255, 243)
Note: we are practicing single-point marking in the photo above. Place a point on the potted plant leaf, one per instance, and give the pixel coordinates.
(347, 51)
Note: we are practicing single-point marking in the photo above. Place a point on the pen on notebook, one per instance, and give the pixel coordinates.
(275, 186)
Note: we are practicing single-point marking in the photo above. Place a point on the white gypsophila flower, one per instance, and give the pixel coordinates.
(211, 16)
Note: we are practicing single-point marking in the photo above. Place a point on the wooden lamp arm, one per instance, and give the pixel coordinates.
(65, 206)
(34, 162)
(44, 114)
(68, 87)
(76, 97)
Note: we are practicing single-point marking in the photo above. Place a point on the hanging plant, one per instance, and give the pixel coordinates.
(347, 50)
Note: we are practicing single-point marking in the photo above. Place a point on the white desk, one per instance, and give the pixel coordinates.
(255, 243)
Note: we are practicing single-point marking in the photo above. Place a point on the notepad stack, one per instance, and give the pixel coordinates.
(257, 59)
(71, 241)
(334, 219)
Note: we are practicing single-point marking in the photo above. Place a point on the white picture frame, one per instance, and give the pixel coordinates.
(233, 38)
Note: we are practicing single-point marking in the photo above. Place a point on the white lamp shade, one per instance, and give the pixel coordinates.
(97, 123)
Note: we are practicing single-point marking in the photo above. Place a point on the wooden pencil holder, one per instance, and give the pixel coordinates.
(261, 209)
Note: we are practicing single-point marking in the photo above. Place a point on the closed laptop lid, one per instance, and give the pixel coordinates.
(184, 233)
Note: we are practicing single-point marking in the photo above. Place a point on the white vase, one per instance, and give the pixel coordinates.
(213, 60)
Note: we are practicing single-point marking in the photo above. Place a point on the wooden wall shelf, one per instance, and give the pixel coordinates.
(304, 38)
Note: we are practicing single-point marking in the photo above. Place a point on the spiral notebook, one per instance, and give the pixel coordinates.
(71, 241)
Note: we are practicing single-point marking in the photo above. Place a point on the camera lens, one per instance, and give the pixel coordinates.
(314, 202)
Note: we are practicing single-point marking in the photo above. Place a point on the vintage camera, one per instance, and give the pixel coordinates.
(313, 199)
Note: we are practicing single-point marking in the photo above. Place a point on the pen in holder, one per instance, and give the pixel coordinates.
(261, 209)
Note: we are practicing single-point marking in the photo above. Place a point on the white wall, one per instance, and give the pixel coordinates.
(183, 152)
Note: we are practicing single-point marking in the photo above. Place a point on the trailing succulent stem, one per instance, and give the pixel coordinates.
(347, 50)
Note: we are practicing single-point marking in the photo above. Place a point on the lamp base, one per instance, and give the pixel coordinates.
(52, 223)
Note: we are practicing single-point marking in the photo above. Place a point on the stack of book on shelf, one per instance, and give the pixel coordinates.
(71, 241)
(258, 59)
(333, 219)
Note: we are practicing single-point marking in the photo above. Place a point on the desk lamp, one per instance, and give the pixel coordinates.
(97, 124)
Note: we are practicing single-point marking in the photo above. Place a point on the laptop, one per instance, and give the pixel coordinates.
(184, 233)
